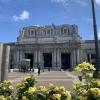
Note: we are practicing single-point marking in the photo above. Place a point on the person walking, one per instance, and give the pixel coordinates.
(38, 70)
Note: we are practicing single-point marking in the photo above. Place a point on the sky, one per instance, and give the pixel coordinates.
(16, 14)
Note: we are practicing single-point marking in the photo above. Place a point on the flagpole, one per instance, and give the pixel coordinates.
(97, 72)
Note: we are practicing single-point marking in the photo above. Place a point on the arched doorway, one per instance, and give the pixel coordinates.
(31, 57)
(65, 60)
(47, 57)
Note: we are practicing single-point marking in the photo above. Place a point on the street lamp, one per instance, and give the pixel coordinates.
(97, 72)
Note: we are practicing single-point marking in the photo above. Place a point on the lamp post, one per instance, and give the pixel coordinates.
(97, 72)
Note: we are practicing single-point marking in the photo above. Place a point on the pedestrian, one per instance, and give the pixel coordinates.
(49, 69)
(38, 70)
(33, 69)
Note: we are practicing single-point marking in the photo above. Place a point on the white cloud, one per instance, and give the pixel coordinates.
(67, 2)
(80, 2)
(23, 16)
(97, 2)
(63, 2)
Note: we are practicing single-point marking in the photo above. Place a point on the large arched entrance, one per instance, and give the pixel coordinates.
(65, 60)
(31, 57)
(47, 59)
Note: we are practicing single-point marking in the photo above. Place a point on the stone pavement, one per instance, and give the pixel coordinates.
(59, 78)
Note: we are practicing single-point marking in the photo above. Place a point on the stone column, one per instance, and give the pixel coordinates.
(58, 59)
(35, 58)
(71, 59)
(42, 60)
(1, 50)
(17, 59)
(39, 58)
(5, 62)
(21, 56)
(73, 56)
(54, 58)
(78, 56)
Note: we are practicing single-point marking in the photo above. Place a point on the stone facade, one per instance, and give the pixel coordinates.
(54, 46)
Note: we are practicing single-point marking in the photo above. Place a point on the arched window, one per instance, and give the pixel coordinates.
(25, 34)
(64, 30)
(74, 30)
(32, 32)
(61, 30)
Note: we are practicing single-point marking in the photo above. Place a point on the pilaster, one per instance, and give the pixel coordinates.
(54, 58)
(35, 58)
(58, 59)
(78, 56)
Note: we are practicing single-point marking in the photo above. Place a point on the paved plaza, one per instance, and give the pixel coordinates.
(59, 78)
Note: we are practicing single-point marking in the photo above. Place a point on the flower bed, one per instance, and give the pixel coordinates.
(87, 89)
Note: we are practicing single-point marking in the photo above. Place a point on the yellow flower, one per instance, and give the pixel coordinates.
(95, 91)
(51, 85)
(62, 88)
(83, 98)
(31, 90)
(56, 88)
(56, 96)
(29, 77)
(77, 85)
(98, 83)
(19, 85)
(24, 98)
(11, 87)
(78, 69)
(2, 97)
(68, 95)
(42, 88)
(7, 82)
(85, 66)
(89, 75)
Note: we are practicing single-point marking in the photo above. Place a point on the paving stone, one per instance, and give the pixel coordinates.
(63, 78)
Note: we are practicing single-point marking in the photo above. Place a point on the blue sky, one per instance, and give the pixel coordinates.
(15, 14)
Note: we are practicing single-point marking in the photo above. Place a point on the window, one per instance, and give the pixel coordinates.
(25, 34)
(32, 32)
(65, 30)
(74, 29)
(61, 30)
